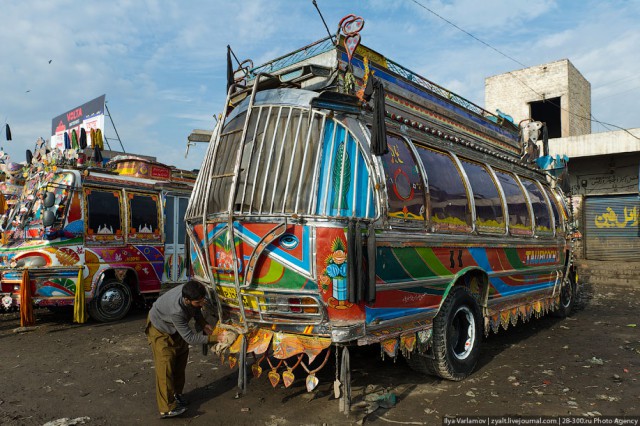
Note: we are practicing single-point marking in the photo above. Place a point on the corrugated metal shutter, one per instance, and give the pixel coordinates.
(611, 227)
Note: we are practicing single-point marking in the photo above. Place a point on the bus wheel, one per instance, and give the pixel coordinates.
(112, 302)
(567, 296)
(457, 333)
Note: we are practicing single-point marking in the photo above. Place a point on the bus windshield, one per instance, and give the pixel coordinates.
(293, 160)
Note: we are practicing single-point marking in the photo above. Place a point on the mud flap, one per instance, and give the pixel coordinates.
(344, 403)
(362, 281)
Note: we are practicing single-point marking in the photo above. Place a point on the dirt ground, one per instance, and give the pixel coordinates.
(102, 374)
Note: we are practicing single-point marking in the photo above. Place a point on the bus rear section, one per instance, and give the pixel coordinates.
(276, 251)
(321, 220)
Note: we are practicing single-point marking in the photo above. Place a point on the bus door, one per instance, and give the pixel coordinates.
(175, 235)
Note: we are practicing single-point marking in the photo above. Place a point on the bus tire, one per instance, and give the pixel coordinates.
(568, 293)
(422, 363)
(457, 336)
(112, 302)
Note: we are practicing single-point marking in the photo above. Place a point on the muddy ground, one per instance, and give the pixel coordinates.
(588, 364)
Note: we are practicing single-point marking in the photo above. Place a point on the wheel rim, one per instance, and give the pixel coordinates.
(462, 332)
(112, 301)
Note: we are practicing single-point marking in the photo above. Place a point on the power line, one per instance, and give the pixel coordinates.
(629, 77)
(591, 118)
(468, 33)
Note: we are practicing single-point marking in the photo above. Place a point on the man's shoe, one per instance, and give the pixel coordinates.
(173, 413)
(181, 400)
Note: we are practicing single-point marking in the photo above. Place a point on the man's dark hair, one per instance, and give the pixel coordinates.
(194, 290)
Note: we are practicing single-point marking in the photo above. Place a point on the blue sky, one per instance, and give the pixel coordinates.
(162, 63)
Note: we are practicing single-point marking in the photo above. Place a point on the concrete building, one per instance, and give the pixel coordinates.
(603, 167)
(555, 93)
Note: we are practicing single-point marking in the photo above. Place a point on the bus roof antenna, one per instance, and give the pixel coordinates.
(323, 21)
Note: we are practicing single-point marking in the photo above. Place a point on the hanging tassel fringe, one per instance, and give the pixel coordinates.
(27, 318)
(79, 307)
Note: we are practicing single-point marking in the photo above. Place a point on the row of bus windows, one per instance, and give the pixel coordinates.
(106, 221)
(297, 161)
(450, 183)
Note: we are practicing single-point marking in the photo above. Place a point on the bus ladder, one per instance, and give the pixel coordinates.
(231, 237)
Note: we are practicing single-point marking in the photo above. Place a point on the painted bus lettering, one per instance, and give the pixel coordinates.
(541, 256)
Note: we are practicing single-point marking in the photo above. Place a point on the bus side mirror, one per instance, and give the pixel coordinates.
(49, 199)
(48, 218)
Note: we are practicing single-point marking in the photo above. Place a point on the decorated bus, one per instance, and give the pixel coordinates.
(11, 183)
(107, 236)
(345, 200)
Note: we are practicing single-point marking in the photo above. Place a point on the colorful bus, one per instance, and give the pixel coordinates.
(115, 232)
(11, 184)
(346, 200)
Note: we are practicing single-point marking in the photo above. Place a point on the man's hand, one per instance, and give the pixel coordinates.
(226, 340)
(208, 329)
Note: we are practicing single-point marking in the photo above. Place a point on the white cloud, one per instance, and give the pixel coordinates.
(162, 63)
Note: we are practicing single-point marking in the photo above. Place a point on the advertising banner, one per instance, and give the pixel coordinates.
(87, 116)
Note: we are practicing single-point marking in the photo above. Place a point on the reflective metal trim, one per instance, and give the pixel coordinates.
(503, 198)
(273, 144)
(530, 295)
(329, 161)
(276, 307)
(415, 283)
(528, 201)
(425, 182)
(471, 202)
(243, 200)
(277, 97)
(294, 149)
(279, 162)
(345, 142)
(314, 185)
(257, 163)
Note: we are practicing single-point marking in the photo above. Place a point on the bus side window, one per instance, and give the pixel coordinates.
(554, 207)
(144, 216)
(539, 205)
(489, 208)
(450, 209)
(104, 219)
(519, 215)
(404, 183)
(344, 185)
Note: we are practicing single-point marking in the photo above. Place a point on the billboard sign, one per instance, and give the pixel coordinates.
(87, 116)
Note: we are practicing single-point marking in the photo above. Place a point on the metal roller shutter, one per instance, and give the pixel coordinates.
(611, 227)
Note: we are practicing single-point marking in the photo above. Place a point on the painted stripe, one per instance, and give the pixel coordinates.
(388, 268)
(514, 258)
(384, 314)
(428, 257)
(413, 263)
(480, 256)
(276, 252)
